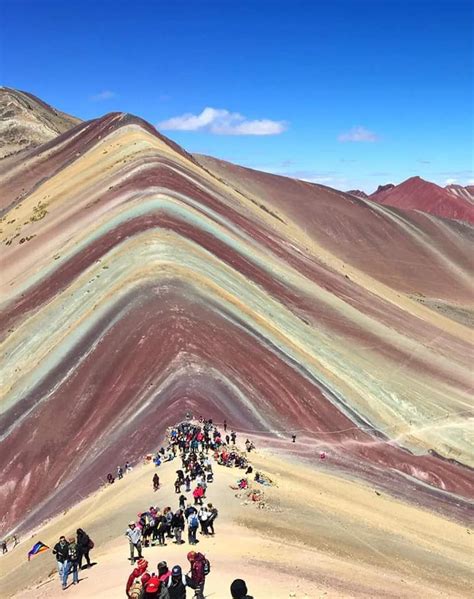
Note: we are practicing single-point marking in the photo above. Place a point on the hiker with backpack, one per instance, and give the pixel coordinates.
(61, 551)
(154, 588)
(193, 524)
(178, 582)
(84, 544)
(73, 562)
(200, 568)
(134, 582)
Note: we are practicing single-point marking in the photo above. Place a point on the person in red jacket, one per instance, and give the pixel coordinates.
(138, 571)
(197, 574)
(197, 494)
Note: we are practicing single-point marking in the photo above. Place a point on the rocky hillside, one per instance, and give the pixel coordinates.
(26, 121)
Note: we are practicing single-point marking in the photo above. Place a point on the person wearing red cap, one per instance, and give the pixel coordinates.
(155, 589)
(198, 576)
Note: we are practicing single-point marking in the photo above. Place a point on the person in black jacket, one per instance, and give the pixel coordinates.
(177, 524)
(178, 582)
(84, 546)
(238, 589)
(61, 551)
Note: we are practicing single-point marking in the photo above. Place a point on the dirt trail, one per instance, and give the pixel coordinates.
(323, 537)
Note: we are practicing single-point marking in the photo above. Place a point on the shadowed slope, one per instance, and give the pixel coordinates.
(139, 285)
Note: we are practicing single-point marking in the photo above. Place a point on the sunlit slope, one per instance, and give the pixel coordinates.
(138, 285)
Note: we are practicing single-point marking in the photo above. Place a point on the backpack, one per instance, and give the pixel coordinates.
(135, 591)
(153, 585)
(207, 566)
(72, 552)
(194, 521)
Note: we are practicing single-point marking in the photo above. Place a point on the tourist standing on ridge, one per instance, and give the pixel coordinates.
(134, 536)
(119, 472)
(212, 518)
(193, 524)
(178, 582)
(293, 438)
(177, 524)
(84, 545)
(73, 558)
(225, 426)
(61, 552)
(156, 482)
(4, 547)
(233, 436)
(198, 574)
(238, 589)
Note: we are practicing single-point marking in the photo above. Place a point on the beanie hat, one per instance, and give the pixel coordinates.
(238, 589)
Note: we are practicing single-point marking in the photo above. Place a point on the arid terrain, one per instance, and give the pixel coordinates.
(319, 535)
(141, 282)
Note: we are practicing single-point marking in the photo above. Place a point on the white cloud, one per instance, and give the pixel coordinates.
(358, 134)
(105, 95)
(222, 122)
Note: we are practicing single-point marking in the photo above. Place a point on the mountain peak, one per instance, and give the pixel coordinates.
(27, 122)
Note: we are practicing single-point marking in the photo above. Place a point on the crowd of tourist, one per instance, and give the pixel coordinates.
(196, 446)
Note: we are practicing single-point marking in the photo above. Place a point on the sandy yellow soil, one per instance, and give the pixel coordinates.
(321, 536)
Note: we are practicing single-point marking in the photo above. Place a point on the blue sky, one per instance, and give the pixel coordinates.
(349, 93)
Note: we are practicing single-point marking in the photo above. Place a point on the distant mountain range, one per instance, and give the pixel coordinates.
(27, 122)
(453, 201)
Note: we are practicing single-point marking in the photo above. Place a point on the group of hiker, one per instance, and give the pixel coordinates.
(13, 539)
(195, 445)
(166, 583)
(120, 472)
(172, 584)
(70, 554)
